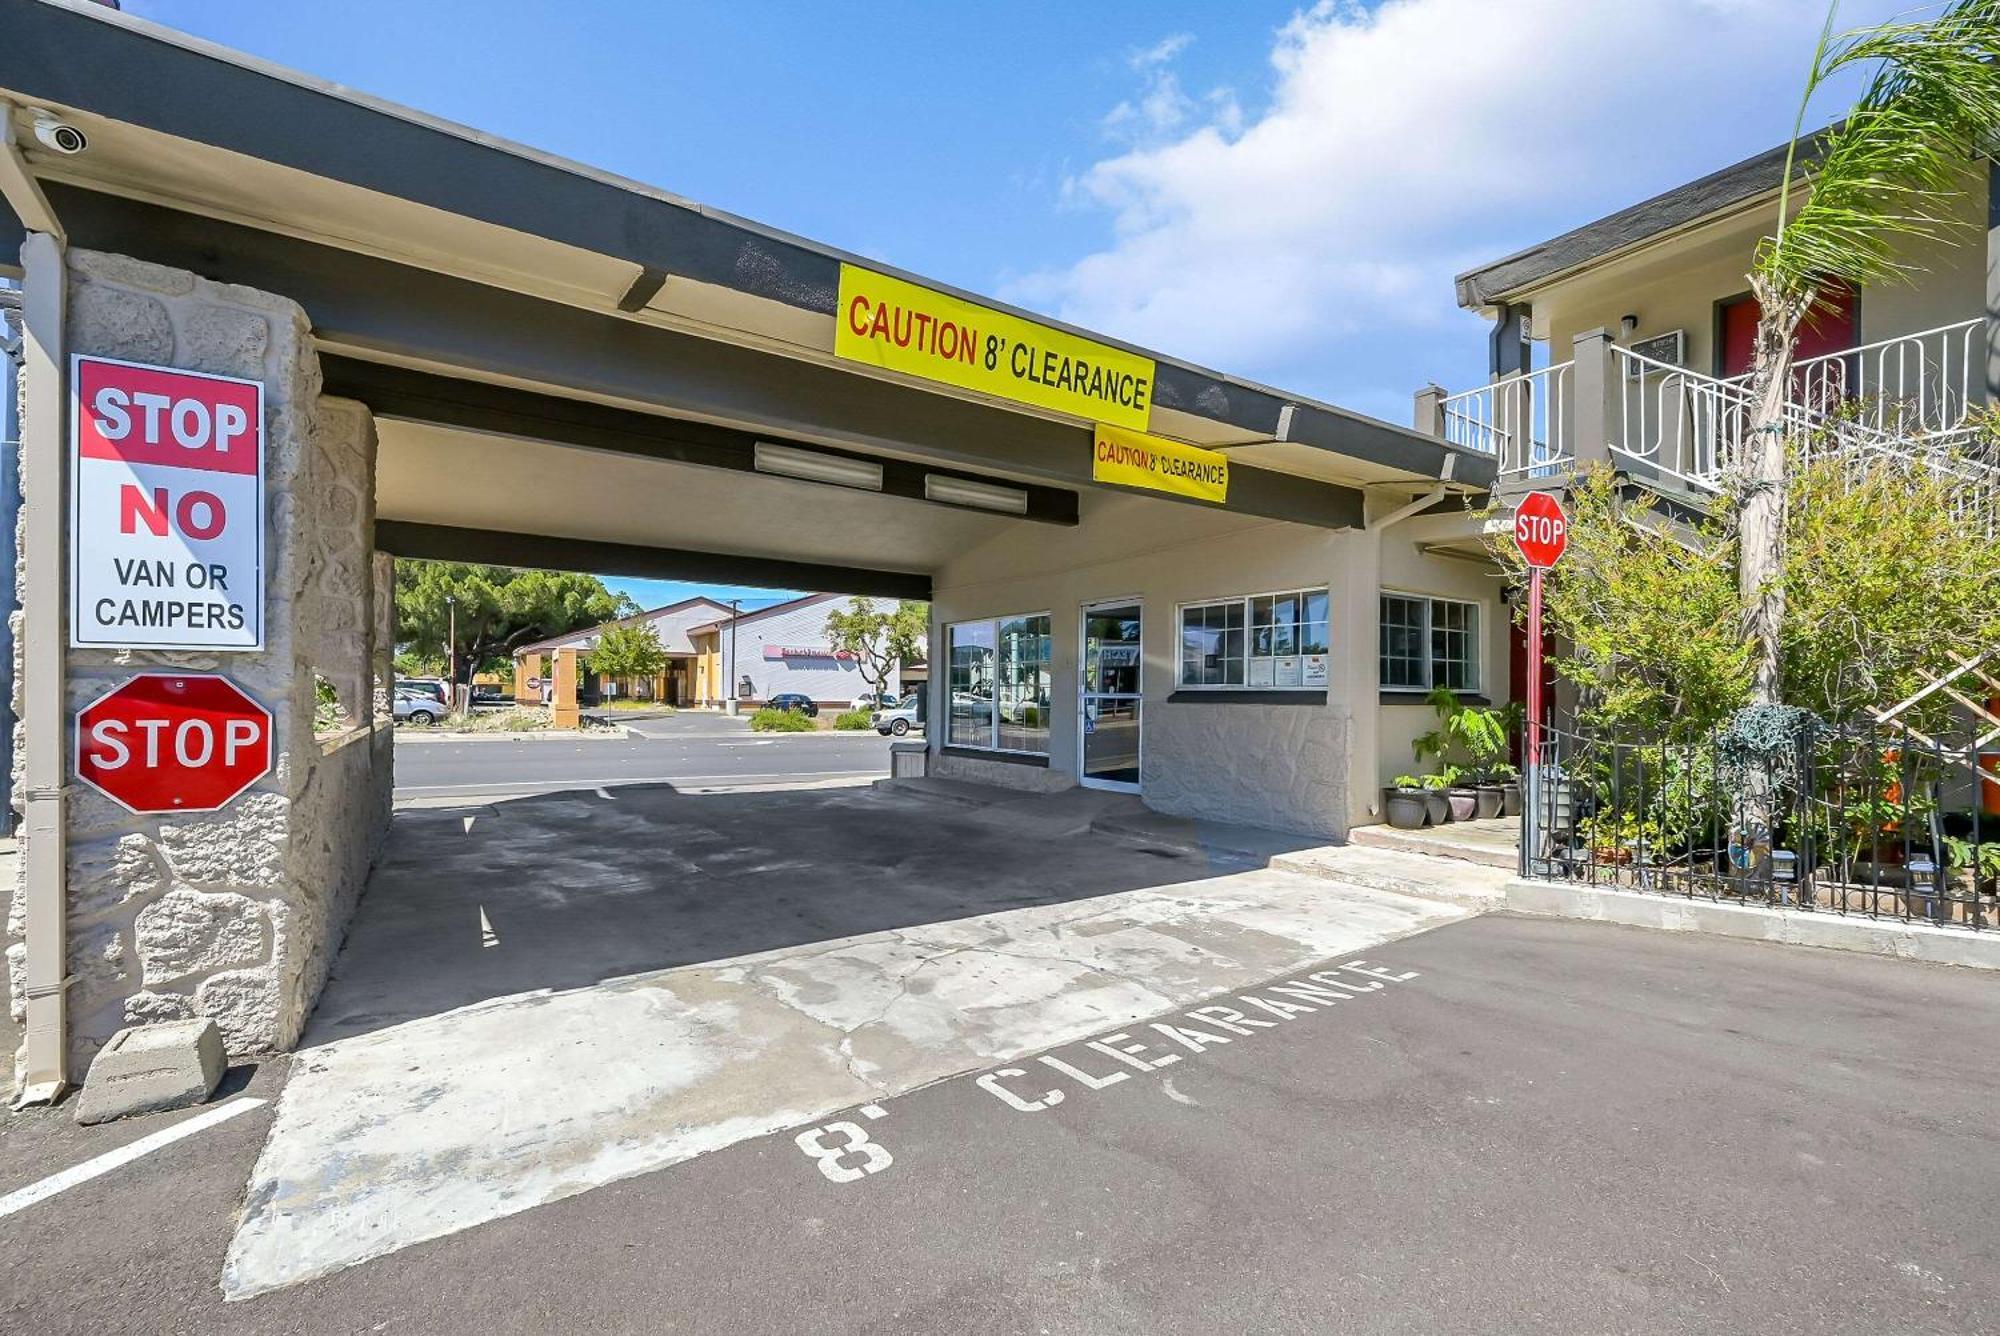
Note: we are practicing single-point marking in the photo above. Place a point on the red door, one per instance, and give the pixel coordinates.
(1827, 328)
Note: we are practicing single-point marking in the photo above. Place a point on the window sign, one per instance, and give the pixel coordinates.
(1277, 641)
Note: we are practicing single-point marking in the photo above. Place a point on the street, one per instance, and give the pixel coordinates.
(1503, 1124)
(691, 749)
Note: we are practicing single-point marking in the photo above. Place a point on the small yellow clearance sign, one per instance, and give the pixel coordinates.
(899, 326)
(1134, 459)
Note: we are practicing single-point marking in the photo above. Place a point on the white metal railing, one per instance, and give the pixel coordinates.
(1521, 420)
(1678, 420)
(1908, 387)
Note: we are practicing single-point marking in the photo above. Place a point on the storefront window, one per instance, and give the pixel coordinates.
(1262, 640)
(1000, 684)
(1429, 642)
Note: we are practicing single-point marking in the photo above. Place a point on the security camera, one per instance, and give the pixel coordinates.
(59, 135)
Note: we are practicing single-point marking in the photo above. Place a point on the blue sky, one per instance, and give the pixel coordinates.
(1281, 193)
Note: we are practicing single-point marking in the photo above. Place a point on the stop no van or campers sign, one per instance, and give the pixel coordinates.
(166, 508)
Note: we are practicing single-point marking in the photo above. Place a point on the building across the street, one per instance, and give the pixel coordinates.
(777, 650)
(672, 685)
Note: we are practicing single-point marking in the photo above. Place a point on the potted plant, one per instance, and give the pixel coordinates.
(1436, 803)
(1459, 791)
(1478, 733)
(1404, 804)
(1509, 779)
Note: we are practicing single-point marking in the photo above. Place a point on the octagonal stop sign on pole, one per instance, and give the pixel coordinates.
(173, 742)
(1541, 531)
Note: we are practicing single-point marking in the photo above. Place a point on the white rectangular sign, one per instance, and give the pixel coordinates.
(166, 508)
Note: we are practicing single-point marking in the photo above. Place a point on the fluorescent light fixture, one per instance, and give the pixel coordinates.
(984, 495)
(813, 466)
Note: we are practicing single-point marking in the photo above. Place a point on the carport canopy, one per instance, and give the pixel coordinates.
(573, 370)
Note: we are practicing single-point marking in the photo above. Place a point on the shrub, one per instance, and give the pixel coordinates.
(768, 720)
(853, 721)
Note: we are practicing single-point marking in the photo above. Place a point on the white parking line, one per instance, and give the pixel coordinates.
(22, 1198)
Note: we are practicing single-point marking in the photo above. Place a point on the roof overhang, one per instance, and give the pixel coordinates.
(1718, 194)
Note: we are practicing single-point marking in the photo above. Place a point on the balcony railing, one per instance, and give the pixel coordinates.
(1519, 420)
(1914, 394)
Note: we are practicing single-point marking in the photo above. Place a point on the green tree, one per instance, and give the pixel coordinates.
(1649, 613)
(628, 652)
(880, 637)
(497, 609)
(1887, 173)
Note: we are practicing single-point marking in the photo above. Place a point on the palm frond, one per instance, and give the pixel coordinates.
(1891, 170)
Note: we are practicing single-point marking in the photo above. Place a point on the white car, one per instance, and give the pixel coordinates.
(417, 707)
(897, 720)
(874, 700)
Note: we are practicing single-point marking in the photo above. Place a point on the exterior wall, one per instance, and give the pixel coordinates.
(235, 915)
(1677, 282)
(828, 681)
(1272, 765)
(1406, 569)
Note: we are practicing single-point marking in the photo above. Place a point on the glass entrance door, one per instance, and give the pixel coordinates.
(1113, 667)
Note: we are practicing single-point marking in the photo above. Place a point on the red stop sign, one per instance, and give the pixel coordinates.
(1541, 530)
(173, 742)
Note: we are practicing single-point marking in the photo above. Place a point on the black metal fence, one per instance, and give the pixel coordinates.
(1884, 822)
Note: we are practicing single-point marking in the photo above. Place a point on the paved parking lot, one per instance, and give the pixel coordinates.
(1530, 1125)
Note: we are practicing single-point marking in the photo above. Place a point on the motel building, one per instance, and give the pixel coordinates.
(1147, 576)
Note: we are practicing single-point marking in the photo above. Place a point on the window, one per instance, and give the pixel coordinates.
(1263, 640)
(1000, 685)
(1429, 642)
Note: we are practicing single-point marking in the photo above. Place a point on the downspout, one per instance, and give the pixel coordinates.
(43, 773)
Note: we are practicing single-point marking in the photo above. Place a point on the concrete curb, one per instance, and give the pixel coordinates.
(1792, 927)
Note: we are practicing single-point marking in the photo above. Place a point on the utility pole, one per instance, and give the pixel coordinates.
(730, 673)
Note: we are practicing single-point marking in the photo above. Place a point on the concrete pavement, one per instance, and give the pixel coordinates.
(487, 1047)
(1555, 1126)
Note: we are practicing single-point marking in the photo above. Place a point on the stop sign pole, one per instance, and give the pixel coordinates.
(1541, 532)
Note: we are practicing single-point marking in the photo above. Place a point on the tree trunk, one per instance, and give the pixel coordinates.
(1761, 518)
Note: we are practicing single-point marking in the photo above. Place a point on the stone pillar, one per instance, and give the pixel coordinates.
(1428, 416)
(233, 915)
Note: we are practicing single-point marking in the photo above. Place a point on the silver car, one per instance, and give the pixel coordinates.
(417, 707)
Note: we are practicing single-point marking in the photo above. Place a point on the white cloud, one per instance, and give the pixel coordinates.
(1313, 242)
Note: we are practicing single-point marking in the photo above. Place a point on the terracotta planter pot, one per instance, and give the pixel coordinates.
(1490, 798)
(1437, 806)
(1464, 803)
(1405, 808)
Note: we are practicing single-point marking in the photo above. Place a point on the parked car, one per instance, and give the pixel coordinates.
(491, 698)
(898, 720)
(792, 700)
(433, 687)
(417, 707)
(874, 700)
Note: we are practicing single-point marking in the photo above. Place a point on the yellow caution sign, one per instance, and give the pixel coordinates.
(1134, 459)
(899, 326)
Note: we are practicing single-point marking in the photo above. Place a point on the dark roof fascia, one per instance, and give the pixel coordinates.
(1685, 204)
(85, 55)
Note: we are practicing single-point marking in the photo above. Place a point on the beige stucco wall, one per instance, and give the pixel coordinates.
(235, 915)
(1676, 282)
(1309, 768)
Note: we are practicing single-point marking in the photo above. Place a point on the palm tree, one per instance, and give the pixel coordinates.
(1886, 174)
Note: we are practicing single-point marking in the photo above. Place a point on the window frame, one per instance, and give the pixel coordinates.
(1246, 603)
(1477, 637)
(992, 743)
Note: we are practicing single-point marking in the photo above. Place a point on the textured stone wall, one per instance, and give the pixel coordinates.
(1000, 774)
(235, 915)
(1282, 766)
